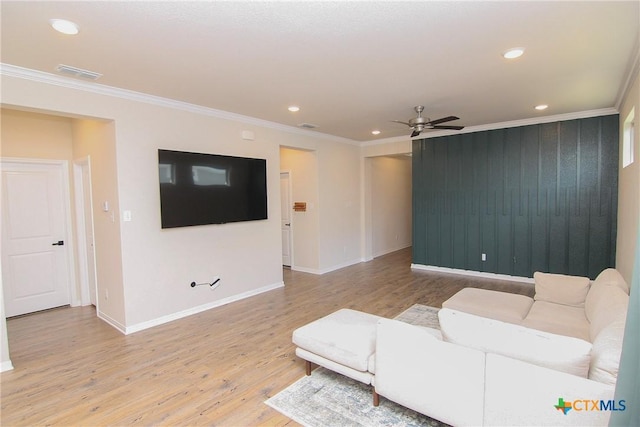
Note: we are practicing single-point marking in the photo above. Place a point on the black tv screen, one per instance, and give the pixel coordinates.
(198, 189)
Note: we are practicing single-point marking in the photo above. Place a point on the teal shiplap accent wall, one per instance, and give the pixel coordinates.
(532, 198)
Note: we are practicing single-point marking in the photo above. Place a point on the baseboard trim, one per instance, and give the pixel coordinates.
(112, 322)
(472, 273)
(327, 270)
(191, 311)
(390, 250)
(6, 366)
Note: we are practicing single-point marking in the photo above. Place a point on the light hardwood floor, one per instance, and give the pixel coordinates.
(213, 368)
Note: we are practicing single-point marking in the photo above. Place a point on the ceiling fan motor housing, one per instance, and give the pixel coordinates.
(418, 124)
(419, 121)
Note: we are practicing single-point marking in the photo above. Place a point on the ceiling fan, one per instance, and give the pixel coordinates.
(418, 124)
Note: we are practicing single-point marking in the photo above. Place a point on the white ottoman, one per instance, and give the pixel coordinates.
(343, 341)
(503, 306)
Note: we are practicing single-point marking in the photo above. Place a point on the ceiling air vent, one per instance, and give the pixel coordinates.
(307, 126)
(77, 72)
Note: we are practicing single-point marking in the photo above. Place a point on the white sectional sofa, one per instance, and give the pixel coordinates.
(506, 359)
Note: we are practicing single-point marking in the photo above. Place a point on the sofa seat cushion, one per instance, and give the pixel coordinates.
(558, 352)
(347, 337)
(558, 319)
(503, 306)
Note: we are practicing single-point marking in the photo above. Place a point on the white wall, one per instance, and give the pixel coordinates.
(158, 265)
(339, 202)
(629, 190)
(391, 204)
(303, 168)
(392, 147)
(96, 140)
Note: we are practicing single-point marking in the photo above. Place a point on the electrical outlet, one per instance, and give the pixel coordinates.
(483, 257)
(106, 294)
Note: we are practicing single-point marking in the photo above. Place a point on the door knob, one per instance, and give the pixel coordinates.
(58, 243)
(288, 224)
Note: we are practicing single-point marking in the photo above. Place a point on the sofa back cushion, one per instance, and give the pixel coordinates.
(561, 289)
(606, 350)
(562, 353)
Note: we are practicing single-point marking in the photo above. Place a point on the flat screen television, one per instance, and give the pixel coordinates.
(199, 189)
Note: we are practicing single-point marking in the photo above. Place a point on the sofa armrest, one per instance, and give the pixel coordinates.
(518, 393)
(421, 372)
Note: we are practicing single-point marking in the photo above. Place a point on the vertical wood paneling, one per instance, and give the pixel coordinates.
(533, 198)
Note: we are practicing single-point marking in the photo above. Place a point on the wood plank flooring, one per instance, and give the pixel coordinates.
(215, 368)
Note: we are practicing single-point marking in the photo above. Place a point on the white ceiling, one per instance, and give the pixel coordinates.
(351, 66)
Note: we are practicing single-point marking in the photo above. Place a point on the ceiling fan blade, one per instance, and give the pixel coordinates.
(448, 127)
(444, 119)
(415, 133)
(399, 121)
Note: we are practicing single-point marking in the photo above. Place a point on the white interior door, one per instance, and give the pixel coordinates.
(285, 200)
(35, 249)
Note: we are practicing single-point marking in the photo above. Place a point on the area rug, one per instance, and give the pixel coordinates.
(330, 399)
(421, 315)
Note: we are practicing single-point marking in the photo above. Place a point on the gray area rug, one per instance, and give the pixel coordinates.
(328, 399)
(421, 315)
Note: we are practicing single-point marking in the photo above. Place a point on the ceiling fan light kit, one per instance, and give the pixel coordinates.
(419, 123)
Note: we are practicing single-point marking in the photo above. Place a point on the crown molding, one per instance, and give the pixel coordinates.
(130, 95)
(52, 79)
(500, 125)
(632, 74)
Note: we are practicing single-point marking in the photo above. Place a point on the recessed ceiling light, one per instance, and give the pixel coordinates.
(516, 52)
(541, 107)
(63, 26)
(293, 108)
(375, 132)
